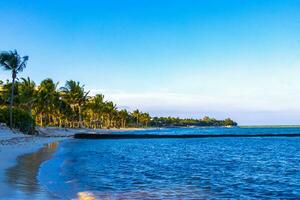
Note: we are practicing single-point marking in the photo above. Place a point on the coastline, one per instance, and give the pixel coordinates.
(15, 144)
(22, 157)
(12, 147)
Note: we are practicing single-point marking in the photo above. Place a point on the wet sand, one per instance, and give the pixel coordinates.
(21, 156)
(21, 179)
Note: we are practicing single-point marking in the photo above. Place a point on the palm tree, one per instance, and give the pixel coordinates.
(96, 108)
(110, 111)
(11, 60)
(75, 95)
(145, 118)
(47, 98)
(136, 114)
(6, 92)
(27, 94)
(64, 112)
(123, 117)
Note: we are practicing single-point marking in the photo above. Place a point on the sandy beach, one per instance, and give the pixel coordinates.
(12, 146)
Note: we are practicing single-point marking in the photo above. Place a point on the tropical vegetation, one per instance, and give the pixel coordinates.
(71, 105)
(12, 61)
(205, 121)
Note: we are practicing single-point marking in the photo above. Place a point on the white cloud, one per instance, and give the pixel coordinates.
(227, 100)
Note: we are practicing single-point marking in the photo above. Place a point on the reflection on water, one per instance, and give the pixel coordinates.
(23, 176)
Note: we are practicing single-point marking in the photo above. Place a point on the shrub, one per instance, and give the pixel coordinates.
(22, 120)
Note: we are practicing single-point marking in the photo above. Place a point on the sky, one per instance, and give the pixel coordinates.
(186, 58)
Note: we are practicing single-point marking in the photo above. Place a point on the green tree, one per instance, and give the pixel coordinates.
(95, 110)
(6, 93)
(136, 114)
(75, 95)
(27, 94)
(47, 98)
(145, 118)
(64, 113)
(109, 112)
(124, 115)
(12, 61)
(229, 122)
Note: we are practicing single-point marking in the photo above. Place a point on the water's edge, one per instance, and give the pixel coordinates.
(21, 179)
(171, 168)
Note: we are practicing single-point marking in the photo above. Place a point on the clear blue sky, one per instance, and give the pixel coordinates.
(236, 58)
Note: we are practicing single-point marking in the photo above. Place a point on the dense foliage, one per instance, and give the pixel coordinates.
(206, 121)
(68, 106)
(71, 106)
(13, 62)
(22, 120)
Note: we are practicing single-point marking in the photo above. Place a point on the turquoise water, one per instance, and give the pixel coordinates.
(206, 168)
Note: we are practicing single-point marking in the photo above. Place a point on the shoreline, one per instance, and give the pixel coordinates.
(12, 147)
(15, 145)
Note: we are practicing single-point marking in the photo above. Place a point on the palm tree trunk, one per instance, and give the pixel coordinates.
(41, 115)
(60, 122)
(30, 110)
(12, 99)
(80, 117)
(108, 122)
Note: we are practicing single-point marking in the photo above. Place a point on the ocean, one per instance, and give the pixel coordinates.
(203, 168)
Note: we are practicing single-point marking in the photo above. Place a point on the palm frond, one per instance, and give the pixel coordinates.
(11, 60)
(22, 66)
(5, 58)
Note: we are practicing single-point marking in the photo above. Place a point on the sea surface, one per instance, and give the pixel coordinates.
(202, 168)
